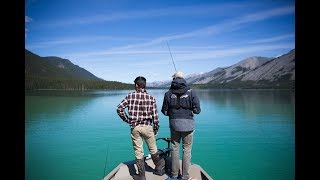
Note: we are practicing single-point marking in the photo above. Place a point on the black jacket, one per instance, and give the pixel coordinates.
(180, 103)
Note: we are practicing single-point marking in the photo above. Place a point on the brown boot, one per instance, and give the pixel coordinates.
(141, 169)
(160, 164)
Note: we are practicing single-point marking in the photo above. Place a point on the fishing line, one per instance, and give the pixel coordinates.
(171, 57)
(105, 164)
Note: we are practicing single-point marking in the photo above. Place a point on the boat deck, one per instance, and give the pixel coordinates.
(127, 170)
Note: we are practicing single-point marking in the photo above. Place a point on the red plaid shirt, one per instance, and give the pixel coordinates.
(142, 109)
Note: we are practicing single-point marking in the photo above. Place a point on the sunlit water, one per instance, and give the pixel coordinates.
(240, 134)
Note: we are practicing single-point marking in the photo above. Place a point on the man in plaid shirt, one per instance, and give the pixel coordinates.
(142, 109)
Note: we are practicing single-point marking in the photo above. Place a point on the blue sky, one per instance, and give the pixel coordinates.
(118, 40)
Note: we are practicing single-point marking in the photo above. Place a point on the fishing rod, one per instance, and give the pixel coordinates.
(105, 164)
(171, 57)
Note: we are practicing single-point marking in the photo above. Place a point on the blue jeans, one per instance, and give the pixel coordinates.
(187, 141)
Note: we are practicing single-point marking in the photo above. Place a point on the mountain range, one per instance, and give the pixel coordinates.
(252, 72)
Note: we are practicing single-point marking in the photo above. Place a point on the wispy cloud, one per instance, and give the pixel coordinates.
(198, 51)
(150, 13)
(215, 29)
(191, 54)
(227, 25)
(264, 15)
(221, 53)
(26, 20)
(75, 40)
(222, 27)
(273, 39)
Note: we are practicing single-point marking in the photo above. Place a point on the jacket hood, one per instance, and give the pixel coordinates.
(179, 86)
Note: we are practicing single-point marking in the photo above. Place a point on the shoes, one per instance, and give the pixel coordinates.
(169, 178)
(159, 164)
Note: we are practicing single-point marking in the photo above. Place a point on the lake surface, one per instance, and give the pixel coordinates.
(240, 134)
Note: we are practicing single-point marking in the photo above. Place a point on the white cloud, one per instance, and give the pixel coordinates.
(76, 40)
(150, 13)
(26, 20)
(217, 28)
(273, 39)
(209, 30)
(227, 25)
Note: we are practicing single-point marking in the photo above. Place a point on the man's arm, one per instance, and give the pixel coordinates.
(121, 110)
(165, 106)
(155, 117)
(196, 103)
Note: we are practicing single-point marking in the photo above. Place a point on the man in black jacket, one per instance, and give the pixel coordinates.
(180, 103)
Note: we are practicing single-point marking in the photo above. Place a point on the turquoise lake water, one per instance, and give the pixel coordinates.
(240, 134)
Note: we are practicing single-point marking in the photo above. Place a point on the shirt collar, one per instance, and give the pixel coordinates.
(141, 90)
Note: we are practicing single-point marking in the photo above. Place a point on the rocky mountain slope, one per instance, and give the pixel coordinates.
(252, 70)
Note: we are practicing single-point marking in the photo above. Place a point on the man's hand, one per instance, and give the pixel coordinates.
(155, 131)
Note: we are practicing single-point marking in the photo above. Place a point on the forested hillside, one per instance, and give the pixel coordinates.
(58, 73)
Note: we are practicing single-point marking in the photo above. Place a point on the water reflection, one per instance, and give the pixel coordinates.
(252, 102)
